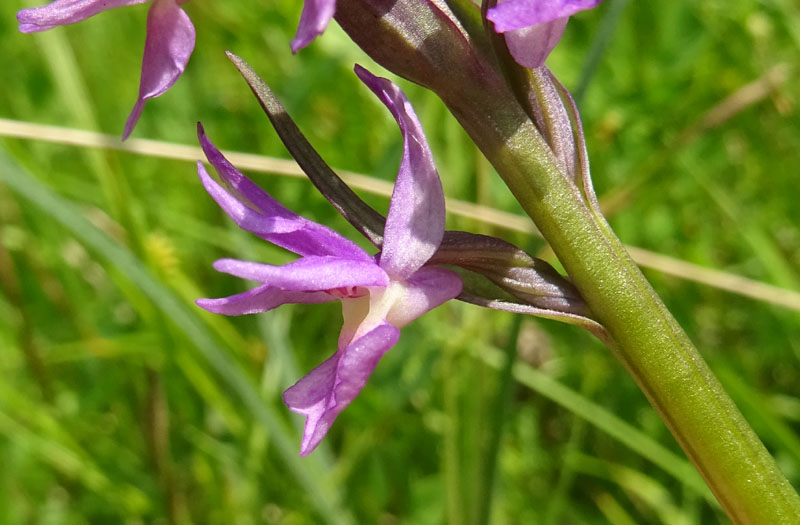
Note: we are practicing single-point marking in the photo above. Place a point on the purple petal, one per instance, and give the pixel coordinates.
(328, 389)
(62, 12)
(516, 14)
(530, 46)
(256, 211)
(425, 290)
(271, 221)
(309, 274)
(315, 18)
(415, 223)
(167, 48)
(261, 299)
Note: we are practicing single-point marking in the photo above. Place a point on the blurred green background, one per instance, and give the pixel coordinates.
(122, 402)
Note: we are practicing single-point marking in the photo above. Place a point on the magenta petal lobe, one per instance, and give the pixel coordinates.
(167, 49)
(256, 211)
(530, 46)
(415, 223)
(309, 274)
(428, 288)
(533, 27)
(63, 12)
(316, 16)
(246, 217)
(516, 14)
(260, 299)
(332, 386)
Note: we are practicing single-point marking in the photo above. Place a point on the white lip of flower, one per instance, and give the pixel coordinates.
(364, 312)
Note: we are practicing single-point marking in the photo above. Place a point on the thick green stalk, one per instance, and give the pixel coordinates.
(646, 338)
(443, 48)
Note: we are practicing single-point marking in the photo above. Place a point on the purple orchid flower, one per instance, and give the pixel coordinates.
(168, 46)
(533, 27)
(379, 294)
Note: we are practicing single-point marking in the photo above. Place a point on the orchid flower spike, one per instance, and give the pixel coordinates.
(379, 294)
(168, 45)
(533, 27)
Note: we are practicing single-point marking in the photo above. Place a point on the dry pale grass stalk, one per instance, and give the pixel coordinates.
(509, 221)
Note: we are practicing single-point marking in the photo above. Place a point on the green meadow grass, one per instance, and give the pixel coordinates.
(122, 402)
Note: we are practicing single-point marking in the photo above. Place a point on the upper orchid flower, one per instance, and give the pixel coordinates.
(168, 46)
(379, 294)
(533, 27)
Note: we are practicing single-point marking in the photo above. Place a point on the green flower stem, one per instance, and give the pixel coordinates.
(645, 336)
